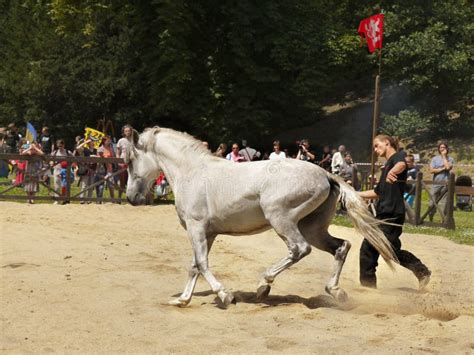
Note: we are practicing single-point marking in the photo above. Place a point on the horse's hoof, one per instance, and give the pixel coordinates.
(262, 292)
(338, 293)
(224, 300)
(178, 302)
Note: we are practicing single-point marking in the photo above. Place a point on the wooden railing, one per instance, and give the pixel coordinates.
(48, 162)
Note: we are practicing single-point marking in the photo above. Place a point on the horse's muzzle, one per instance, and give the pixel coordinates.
(138, 200)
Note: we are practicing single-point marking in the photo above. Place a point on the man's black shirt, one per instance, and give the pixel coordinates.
(391, 195)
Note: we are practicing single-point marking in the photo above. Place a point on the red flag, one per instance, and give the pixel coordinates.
(371, 29)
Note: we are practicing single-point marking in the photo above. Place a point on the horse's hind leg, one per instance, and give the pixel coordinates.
(339, 248)
(297, 249)
(314, 227)
(184, 299)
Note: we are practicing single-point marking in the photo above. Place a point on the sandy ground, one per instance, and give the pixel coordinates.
(97, 278)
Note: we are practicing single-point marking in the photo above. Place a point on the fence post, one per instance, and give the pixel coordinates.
(68, 181)
(418, 192)
(450, 201)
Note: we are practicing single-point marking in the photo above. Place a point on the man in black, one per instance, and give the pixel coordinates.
(12, 138)
(390, 207)
(47, 141)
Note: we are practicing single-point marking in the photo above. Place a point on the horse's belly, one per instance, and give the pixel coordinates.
(248, 221)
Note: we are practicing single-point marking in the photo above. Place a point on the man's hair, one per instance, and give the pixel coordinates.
(277, 142)
(445, 144)
(392, 140)
(60, 141)
(126, 126)
(410, 156)
(305, 140)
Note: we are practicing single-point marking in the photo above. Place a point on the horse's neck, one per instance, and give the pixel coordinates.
(178, 164)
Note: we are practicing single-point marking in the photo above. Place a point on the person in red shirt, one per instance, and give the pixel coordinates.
(106, 150)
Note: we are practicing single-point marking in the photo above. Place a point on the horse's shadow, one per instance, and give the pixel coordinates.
(319, 301)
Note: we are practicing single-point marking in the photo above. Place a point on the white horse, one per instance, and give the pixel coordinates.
(215, 196)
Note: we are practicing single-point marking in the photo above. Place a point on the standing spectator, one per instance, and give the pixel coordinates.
(31, 182)
(338, 160)
(220, 152)
(348, 169)
(123, 144)
(107, 151)
(390, 208)
(12, 138)
(19, 166)
(60, 151)
(325, 162)
(412, 171)
(85, 171)
(440, 167)
(247, 153)
(304, 153)
(63, 178)
(277, 153)
(46, 140)
(234, 155)
(4, 168)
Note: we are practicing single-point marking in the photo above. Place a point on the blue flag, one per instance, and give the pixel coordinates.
(31, 134)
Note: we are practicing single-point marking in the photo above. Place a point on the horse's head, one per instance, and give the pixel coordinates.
(142, 171)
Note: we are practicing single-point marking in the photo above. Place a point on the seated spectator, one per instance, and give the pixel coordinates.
(277, 153)
(234, 155)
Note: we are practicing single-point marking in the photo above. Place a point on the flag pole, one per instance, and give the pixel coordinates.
(375, 118)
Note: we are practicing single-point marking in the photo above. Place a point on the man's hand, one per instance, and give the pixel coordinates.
(391, 177)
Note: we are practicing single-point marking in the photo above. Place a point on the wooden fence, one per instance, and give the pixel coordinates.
(48, 161)
(361, 181)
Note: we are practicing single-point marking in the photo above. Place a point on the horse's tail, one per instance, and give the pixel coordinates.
(363, 220)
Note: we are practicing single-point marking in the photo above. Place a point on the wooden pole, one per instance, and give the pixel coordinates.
(375, 126)
(418, 192)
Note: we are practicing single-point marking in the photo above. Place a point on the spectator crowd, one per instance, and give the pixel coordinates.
(97, 177)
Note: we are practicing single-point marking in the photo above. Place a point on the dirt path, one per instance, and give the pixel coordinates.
(83, 278)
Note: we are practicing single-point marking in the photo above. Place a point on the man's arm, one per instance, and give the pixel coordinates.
(397, 169)
(368, 195)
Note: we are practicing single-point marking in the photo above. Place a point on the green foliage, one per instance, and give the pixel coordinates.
(406, 124)
(223, 69)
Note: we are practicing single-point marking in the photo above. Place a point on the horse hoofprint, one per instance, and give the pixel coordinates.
(213, 196)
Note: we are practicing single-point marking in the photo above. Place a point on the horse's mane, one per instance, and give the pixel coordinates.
(190, 143)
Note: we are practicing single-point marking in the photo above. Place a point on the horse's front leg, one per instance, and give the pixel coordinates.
(198, 238)
(194, 273)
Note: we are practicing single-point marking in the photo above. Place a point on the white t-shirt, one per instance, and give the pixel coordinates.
(337, 161)
(249, 153)
(122, 144)
(275, 156)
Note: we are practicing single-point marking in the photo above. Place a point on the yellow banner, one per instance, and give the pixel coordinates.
(94, 135)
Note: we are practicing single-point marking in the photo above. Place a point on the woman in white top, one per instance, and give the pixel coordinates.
(277, 153)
